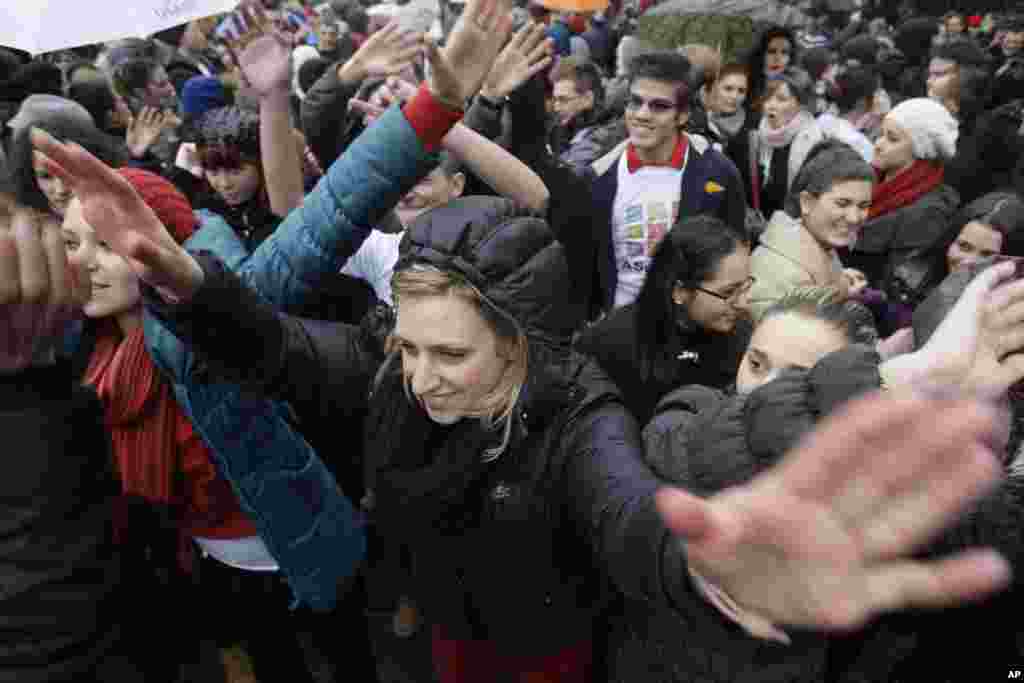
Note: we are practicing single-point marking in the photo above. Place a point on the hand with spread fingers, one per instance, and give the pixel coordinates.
(527, 54)
(145, 129)
(824, 539)
(458, 70)
(263, 53)
(975, 346)
(36, 294)
(385, 53)
(121, 219)
(390, 92)
(999, 363)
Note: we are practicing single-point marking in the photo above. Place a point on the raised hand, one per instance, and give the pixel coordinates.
(394, 90)
(385, 53)
(999, 362)
(145, 129)
(458, 70)
(822, 539)
(527, 54)
(121, 219)
(263, 53)
(36, 301)
(969, 344)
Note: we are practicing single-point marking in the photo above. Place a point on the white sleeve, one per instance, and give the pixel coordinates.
(374, 263)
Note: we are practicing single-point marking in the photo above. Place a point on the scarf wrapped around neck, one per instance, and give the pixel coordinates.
(905, 187)
(141, 413)
(776, 138)
(729, 124)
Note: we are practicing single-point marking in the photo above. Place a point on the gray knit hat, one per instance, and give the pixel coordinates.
(932, 128)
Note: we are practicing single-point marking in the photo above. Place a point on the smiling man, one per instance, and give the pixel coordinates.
(661, 173)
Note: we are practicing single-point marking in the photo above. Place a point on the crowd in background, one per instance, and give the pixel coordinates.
(364, 344)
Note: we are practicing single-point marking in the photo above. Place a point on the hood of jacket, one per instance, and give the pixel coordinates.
(730, 442)
(509, 254)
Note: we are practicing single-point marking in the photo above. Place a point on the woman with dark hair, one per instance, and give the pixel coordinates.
(990, 225)
(960, 79)
(33, 185)
(770, 156)
(827, 204)
(911, 204)
(774, 50)
(853, 116)
(725, 96)
(687, 326)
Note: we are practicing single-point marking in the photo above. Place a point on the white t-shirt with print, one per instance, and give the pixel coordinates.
(646, 207)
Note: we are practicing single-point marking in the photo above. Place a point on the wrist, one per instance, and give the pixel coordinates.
(276, 98)
(352, 71)
(446, 100)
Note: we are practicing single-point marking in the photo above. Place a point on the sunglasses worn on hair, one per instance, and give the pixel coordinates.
(655, 105)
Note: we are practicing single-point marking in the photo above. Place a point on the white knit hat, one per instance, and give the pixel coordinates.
(932, 128)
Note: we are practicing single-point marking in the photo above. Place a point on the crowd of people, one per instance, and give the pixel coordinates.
(483, 341)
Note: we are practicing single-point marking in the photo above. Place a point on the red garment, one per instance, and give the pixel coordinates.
(473, 661)
(169, 204)
(906, 187)
(429, 118)
(634, 163)
(158, 455)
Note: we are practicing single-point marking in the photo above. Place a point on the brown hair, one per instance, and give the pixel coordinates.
(705, 58)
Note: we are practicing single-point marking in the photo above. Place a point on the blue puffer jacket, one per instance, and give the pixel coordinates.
(310, 528)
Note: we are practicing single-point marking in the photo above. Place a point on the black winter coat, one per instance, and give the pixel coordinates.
(570, 492)
(61, 615)
(891, 240)
(697, 357)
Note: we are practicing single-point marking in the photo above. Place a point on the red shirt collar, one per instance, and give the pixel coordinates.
(634, 163)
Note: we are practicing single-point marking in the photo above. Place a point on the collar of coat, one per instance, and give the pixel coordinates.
(697, 143)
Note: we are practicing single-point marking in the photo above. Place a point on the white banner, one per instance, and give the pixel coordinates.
(39, 26)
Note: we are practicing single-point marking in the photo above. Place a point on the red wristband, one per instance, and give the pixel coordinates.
(429, 118)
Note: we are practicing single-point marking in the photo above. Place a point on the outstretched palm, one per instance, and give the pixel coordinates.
(266, 63)
(817, 540)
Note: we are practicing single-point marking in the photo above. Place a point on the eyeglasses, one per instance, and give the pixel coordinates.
(655, 105)
(733, 296)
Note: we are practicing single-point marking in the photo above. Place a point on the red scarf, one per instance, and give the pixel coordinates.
(158, 456)
(140, 410)
(906, 187)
